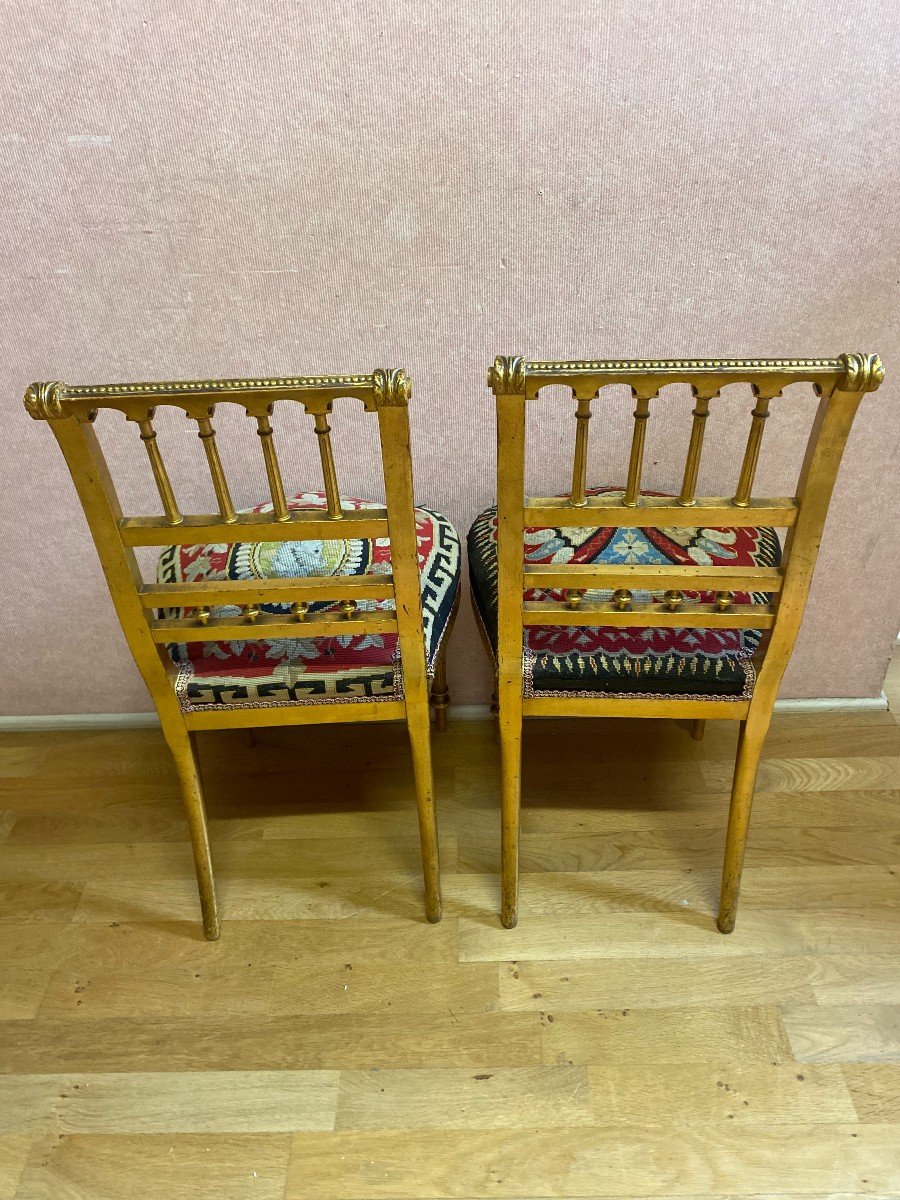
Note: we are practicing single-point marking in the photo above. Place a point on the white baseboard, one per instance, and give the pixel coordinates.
(834, 704)
(470, 712)
(36, 724)
(458, 712)
(481, 712)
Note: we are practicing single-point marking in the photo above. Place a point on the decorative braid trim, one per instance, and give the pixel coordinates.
(479, 621)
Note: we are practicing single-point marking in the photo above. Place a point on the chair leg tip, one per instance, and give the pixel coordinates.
(509, 920)
(434, 908)
(725, 926)
(209, 914)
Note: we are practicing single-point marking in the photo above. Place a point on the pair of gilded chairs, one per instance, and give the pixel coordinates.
(602, 602)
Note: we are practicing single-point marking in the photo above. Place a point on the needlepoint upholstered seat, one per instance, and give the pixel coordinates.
(622, 661)
(309, 670)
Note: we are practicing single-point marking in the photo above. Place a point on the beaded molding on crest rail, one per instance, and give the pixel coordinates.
(51, 401)
(509, 375)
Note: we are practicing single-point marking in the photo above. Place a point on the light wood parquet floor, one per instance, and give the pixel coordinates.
(333, 1046)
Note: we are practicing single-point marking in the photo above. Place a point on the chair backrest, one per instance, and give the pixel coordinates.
(840, 384)
(70, 412)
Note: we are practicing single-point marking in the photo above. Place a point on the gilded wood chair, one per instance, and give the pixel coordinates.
(310, 609)
(644, 605)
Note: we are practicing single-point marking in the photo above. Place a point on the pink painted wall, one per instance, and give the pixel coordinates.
(195, 189)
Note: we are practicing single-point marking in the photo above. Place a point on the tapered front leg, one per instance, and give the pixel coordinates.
(750, 744)
(184, 751)
(420, 743)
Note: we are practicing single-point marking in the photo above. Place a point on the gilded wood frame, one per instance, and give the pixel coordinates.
(840, 384)
(70, 412)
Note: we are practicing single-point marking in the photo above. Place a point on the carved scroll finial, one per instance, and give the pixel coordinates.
(44, 401)
(392, 387)
(862, 372)
(506, 377)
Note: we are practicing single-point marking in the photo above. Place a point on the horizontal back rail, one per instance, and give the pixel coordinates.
(269, 625)
(306, 524)
(309, 588)
(709, 513)
(596, 576)
(687, 615)
(673, 707)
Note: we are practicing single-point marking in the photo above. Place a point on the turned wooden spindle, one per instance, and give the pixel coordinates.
(754, 441)
(724, 601)
(202, 615)
(673, 599)
(688, 492)
(251, 613)
(579, 468)
(636, 461)
(299, 610)
(621, 598)
(574, 597)
(348, 609)
(273, 471)
(329, 474)
(160, 474)
(207, 436)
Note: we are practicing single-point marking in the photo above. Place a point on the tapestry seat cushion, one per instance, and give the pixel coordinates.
(614, 660)
(300, 670)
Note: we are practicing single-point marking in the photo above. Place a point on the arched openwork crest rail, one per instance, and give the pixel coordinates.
(71, 411)
(514, 376)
